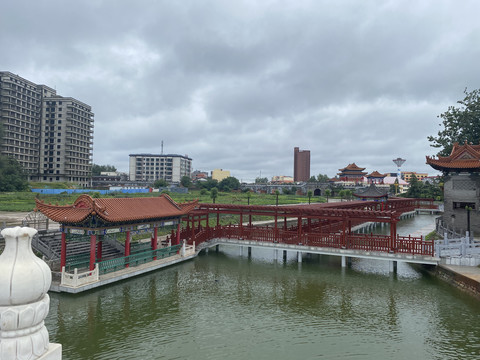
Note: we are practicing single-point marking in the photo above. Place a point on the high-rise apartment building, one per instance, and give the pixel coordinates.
(51, 136)
(150, 167)
(301, 164)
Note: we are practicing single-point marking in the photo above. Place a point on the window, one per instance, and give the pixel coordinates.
(463, 205)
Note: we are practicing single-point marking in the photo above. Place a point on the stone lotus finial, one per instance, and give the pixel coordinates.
(24, 302)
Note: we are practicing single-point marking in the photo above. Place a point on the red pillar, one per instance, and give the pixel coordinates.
(299, 229)
(178, 235)
(127, 243)
(63, 251)
(192, 236)
(275, 229)
(153, 241)
(99, 249)
(241, 225)
(218, 218)
(93, 245)
(284, 223)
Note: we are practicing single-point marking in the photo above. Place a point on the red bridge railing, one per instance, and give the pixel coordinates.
(366, 242)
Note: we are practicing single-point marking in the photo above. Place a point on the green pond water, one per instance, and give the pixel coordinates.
(227, 306)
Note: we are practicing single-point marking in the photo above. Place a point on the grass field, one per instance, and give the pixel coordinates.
(25, 201)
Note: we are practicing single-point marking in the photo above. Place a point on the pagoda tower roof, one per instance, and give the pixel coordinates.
(115, 210)
(352, 169)
(376, 174)
(462, 158)
(372, 192)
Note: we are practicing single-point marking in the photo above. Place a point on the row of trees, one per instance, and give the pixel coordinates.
(12, 176)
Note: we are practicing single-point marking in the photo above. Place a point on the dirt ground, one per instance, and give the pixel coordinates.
(14, 218)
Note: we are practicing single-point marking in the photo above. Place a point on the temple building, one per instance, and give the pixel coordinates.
(351, 173)
(461, 171)
(90, 220)
(375, 178)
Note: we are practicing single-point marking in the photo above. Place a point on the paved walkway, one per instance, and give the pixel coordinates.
(471, 272)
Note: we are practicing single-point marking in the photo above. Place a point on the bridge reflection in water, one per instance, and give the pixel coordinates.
(320, 229)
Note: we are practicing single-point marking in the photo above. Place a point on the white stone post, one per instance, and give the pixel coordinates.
(24, 302)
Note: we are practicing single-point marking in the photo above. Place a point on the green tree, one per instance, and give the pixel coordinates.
(214, 194)
(159, 183)
(416, 188)
(249, 195)
(209, 184)
(228, 184)
(276, 195)
(309, 194)
(12, 176)
(97, 169)
(328, 193)
(348, 194)
(341, 193)
(312, 179)
(322, 178)
(460, 124)
(261, 180)
(185, 181)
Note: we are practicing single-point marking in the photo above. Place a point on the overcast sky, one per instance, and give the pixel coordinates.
(238, 84)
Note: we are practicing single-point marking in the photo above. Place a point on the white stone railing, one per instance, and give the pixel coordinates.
(79, 279)
(187, 250)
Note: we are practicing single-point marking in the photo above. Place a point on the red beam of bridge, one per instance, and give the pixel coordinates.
(331, 226)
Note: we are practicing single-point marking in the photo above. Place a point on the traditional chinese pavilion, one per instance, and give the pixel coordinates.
(371, 193)
(375, 177)
(98, 217)
(351, 173)
(461, 170)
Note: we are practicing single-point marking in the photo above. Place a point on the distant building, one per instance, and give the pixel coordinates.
(51, 136)
(375, 177)
(197, 175)
(461, 186)
(402, 186)
(150, 167)
(281, 179)
(351, 173)
(301, 165)
(109, 179)
(407, 175)
(220, 174)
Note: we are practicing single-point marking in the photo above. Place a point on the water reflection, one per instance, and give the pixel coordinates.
(223, 305)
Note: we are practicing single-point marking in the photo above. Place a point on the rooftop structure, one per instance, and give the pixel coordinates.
(463, 158)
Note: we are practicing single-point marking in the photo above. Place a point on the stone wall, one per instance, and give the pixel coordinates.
(462, 188)
(460, 281)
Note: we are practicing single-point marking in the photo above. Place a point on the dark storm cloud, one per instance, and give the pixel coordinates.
(237, 85)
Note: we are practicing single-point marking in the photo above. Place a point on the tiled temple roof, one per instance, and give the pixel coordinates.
(462, 158)
(376, 174)
(371, 192)
(352, 169)
(115, 210)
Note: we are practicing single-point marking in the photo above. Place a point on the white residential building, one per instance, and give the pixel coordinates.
(150, 167)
